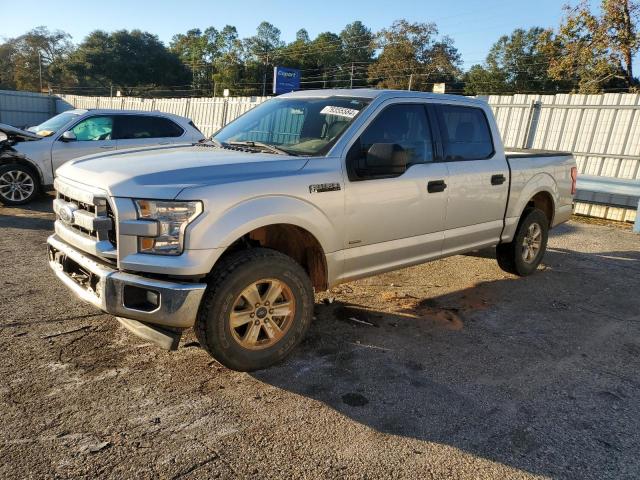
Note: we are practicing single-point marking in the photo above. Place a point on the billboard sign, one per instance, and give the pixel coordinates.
(285, 80)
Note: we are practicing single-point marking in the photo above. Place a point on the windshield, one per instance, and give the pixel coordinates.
(54, 124)
(297, 126)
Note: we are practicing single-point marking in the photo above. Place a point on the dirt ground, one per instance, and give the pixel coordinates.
(452, 369)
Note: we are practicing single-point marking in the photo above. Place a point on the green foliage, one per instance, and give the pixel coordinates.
(595, 52)
(22, 59)
(589, 52)
(516, 63)
(414, 49)
(132, 61)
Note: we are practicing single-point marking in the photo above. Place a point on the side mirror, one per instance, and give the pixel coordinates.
(68, 136)
(385, 159)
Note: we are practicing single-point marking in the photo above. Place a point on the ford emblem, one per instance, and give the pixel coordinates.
(66, 214)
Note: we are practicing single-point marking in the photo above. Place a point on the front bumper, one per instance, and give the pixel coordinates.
(173, 304)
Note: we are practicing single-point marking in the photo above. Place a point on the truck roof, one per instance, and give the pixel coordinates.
(377, 93)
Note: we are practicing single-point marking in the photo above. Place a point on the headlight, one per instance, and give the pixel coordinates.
(172, 218)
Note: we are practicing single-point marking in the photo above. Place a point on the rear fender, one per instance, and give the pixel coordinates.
(518, 200)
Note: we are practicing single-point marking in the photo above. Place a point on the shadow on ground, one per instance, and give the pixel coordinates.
(507, 370)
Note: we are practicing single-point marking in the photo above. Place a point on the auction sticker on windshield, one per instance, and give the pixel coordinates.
(339, 111)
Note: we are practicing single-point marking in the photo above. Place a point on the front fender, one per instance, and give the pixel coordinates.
(248, 215)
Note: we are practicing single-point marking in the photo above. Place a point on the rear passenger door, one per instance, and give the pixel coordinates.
(478, 180)
(134, 131)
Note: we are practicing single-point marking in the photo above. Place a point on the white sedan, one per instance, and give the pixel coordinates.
(28, 162)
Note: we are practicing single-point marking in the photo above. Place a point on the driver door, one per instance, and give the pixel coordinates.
(93, 135)
(398, 219)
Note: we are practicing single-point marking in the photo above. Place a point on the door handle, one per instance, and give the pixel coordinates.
(107, 147)
(498, 179)
(435, 186)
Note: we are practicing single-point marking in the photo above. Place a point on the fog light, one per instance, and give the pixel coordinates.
(143, 299)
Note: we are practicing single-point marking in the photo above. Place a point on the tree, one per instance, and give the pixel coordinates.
(357, 43)
(593, 51)
(264, 45)
(412, 53)
(37, 49)
(516, 63)
(132, 61)
(619, 21)
(7, 55)
(228, 65)
(198, 50)
(484, 80)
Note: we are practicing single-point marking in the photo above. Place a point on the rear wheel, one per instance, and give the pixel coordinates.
(257, 308)
(523, 255)
(18, 184)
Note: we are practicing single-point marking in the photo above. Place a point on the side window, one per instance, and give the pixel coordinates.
(94, 128)
(139, 127)
(465, 133)
(405, 126)
(166, 127)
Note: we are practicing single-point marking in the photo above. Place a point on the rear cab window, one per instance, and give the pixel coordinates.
(465, 133)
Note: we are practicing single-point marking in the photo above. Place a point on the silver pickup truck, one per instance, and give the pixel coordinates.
(306, 191)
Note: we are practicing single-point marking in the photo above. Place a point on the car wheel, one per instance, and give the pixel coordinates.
(256, 310)
(523, 255)
(18, 184)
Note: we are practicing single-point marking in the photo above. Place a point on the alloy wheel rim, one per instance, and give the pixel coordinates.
(262, 314)
(532, 243)
(16, 185)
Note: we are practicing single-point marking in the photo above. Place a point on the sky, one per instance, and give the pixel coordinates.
(473, 24)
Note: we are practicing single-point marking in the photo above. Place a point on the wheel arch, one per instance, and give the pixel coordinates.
(286, 224)
(293, 241)
(25, 162)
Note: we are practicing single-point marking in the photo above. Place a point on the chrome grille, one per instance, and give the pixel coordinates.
(85, 219)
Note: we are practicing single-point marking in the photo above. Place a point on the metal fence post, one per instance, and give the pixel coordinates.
(532, 123)
(636, 226)
(224, 112)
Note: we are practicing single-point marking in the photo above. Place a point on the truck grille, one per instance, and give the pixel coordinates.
(85, 219)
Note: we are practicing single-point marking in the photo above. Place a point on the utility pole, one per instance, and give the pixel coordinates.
(410, 81)
(111, 90)
(40, 68)
(351, 83)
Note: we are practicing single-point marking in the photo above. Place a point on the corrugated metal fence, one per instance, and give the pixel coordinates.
(22, 109)
(209, 114)
(602, 131)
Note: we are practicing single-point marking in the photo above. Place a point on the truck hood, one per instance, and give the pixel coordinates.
(163, 172)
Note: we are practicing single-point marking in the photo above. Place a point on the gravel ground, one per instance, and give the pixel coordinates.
(452, 369)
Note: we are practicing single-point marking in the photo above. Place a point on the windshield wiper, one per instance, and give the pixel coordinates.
(265, 146)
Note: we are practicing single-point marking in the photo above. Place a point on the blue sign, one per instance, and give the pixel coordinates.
(285, 80)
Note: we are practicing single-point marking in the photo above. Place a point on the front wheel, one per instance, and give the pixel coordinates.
(257, 308)
(18, 184)
(524, 253)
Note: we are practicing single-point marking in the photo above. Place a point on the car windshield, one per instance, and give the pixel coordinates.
(295, 126)
(54, 124)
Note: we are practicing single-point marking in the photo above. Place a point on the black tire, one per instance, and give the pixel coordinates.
(511, 256)
(14, 174)
(235, 273)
